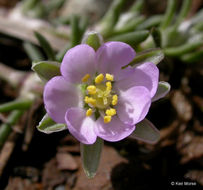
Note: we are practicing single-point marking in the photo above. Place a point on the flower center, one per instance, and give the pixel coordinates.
(99, 96)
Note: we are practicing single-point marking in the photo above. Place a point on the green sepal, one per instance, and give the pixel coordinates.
(47, 125)
(146, 131)
(93, 39)
(46, 69)
(162, 90)
(155, 56)
(90, 155)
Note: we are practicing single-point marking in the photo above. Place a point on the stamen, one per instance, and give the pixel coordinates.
(115, 100)
(111, 112)
(89, 112)
(99, 78)
(108, 86)
(85, 78)
(91, 89)
(109, 77)
(107, 119)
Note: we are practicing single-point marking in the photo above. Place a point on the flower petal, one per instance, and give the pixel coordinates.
(146, 74)
(59, 95)
(133, 105)
(112, 56)
(113, 131)
(80, 126)
(77, 62)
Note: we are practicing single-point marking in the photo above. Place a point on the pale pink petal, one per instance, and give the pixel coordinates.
(77, 62)
(146, 74)
(133, 105)
(80, 126)
(113, 131)
(112, 56)
(59, 95)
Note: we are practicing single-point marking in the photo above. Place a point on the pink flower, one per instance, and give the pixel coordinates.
(95, 97)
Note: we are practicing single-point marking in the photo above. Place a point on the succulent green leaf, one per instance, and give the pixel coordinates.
(47, 125)
(45, 46)
(150, 22)
(90, 155)
(46, 69)
(152, 55)
(15, 105)
(170, 13)
(146, 131)
(131, 38)
(32, 51)
(182, 49)
(156, 34)
(162, 90)
(193, 57)
(6, 128)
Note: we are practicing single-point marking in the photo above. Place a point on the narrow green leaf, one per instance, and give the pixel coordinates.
(193, 57)
(182, 49)
(6, 128)
(183, 12)
(137, 6)
(146, 131)
(111, 17)
(15, 105)
(129, 25)
(132, 38)
(90, 155)
(152, 55)
(33, 52)
(93, 39)
(75, 37)
(45, 46)
(47, 125)
(46, 69)
(53, 5)
(170, 12)
(162, 90)
(156, 34)
(152, 21)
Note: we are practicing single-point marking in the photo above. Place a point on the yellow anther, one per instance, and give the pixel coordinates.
(89, 112)
(107, 119)
(91, 89)
(86, 99)
(85, 78)
(111, 112)
(99, 78)
(108, 86)
(109, 77)
(89, 100)
(115, 100)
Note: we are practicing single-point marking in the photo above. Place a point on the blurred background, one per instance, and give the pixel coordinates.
(34, 30)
